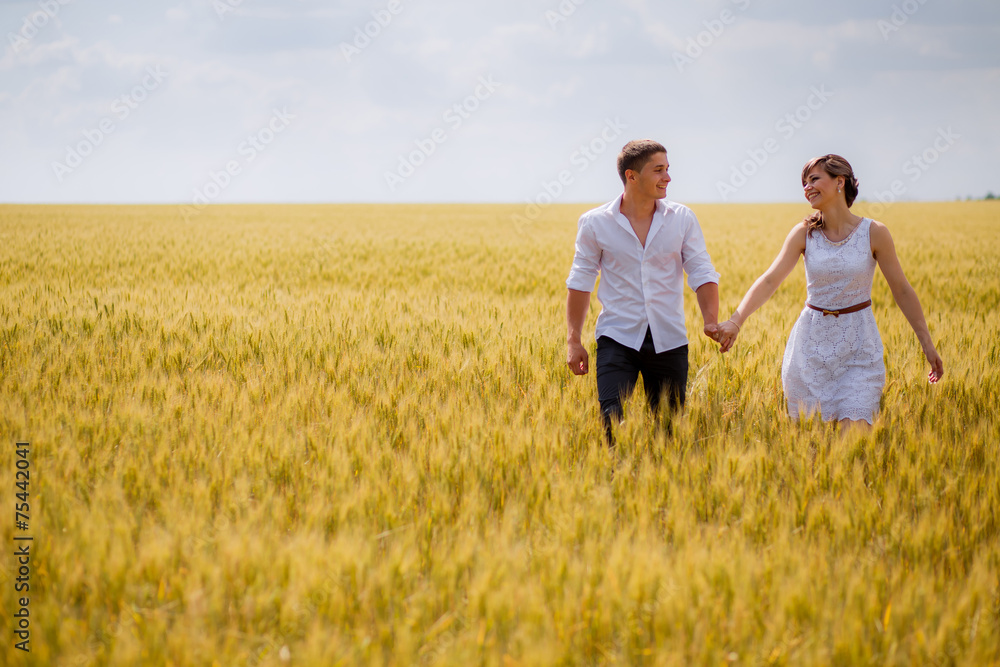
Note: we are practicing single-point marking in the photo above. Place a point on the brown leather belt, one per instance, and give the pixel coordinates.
(842, 311)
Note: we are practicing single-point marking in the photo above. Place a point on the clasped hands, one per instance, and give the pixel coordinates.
(724, 334)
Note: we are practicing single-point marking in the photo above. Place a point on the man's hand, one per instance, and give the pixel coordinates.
(577, 358)
(712, 331)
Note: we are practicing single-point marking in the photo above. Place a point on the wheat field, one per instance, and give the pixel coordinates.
(337, 435)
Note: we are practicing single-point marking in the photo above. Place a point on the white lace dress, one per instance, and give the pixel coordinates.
(833, 364)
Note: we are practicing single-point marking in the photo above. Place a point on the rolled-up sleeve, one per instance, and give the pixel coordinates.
(586, 260)
(694, 256)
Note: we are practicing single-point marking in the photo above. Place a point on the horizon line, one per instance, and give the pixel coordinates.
(456, 203)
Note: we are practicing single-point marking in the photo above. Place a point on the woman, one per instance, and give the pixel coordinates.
(833, 359)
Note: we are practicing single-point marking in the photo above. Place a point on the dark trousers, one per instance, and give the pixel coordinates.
(618, 369)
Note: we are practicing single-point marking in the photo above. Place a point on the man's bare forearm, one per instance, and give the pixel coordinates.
(708, 302)
(577, 304)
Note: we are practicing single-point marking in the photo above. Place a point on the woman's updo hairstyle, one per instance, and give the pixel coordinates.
(835, 166)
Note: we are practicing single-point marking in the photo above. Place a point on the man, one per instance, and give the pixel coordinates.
(641, 244)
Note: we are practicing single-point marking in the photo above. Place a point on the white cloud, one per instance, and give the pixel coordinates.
(178, 14)
(558, 87)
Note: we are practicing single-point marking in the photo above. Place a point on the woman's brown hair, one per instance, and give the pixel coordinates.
(835, 166)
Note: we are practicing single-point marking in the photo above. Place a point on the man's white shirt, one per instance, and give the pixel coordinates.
(640, 286)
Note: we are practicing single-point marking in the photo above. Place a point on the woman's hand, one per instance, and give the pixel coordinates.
(937, 365)
(727, 333)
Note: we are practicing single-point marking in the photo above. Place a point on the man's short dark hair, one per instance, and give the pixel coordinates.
(635, 155)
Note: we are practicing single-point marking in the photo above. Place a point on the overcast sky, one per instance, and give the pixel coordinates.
(515, 101)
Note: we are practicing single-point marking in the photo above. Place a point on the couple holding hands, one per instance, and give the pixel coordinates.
(642, 245)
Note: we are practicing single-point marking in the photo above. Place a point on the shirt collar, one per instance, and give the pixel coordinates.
(659, 216)
(662, 206)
